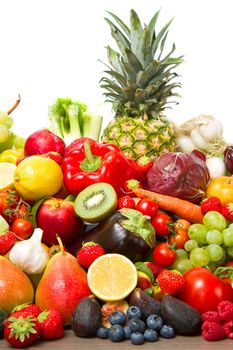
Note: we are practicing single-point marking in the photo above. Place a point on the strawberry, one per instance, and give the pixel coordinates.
(26, 310)
(227, 211)
(7, 241)
(211, 203)
(130, 185)
(21, 331)
(170, 282)
(126, 202)
(144, 164)
(51, 324)
(88, 253)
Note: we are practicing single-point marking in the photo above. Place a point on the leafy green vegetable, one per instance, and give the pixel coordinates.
(70, 120)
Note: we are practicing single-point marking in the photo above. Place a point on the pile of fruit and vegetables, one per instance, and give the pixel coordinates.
(124, 234)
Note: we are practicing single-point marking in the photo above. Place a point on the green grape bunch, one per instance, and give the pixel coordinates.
(8, 139)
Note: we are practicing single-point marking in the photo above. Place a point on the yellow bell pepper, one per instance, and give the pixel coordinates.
(11, 155)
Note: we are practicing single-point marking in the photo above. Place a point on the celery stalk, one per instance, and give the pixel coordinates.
(92, 125)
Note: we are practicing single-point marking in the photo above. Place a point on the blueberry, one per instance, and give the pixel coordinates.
(136, 325)
(150, 335)
(116, 333)
(127, 332)
(154, 322)
(167, 332)
(133, 312)
(102, 332)
(137, 338)
(117, 317)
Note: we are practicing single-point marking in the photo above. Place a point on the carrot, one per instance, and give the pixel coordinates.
(185, 209)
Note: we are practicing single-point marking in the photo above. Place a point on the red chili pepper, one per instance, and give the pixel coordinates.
(87, 161)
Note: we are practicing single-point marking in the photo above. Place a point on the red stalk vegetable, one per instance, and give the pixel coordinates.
(87, 161)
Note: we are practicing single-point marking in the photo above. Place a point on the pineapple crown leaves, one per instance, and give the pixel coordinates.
(21, 327)
(139, 75)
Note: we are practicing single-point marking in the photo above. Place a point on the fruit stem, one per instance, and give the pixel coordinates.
(61, 245)
(91, 162)
(15, 105)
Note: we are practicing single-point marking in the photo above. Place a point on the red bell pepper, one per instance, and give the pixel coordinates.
(87, 161)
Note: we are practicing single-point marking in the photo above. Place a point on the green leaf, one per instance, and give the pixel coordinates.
(169, 54)
(139, 225)
(114, 59)
(120, 78)
(151, 26)
(140, 266)
(135, 31)
(162, 45)
(159, 37)
(143, 53)
(35, 208)
(119, 37)
(131, 74)
(121, 23)
(142, 79)
(133, 60)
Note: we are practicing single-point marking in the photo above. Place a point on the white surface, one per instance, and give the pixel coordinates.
(50, 48)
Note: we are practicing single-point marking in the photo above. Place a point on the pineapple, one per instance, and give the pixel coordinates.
(139, 83)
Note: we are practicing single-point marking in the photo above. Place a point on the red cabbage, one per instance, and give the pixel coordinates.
(181, 175)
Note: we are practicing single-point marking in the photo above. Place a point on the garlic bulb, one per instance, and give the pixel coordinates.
(29, 255)
(216, 167)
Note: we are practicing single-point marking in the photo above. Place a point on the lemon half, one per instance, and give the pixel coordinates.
(112, 277)
(7, 171)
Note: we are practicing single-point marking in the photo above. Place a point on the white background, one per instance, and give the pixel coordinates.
(50, 48)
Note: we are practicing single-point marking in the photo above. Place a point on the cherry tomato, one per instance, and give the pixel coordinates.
(8, 201)
(21, 212)
(203, 290)
(179, 238)
(162, 224)
(22, 228)
(164, 255)
(147, 207)
(182, 223)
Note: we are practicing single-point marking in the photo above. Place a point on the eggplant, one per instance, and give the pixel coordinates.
(115, 238)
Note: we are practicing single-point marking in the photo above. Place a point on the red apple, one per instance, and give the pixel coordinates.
(43, 141)
(56, 216)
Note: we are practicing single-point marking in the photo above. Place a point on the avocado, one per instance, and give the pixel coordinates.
(86, 317)
(183, 318)
(145, 302)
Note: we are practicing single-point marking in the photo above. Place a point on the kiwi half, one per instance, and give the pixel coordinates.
(96, 202)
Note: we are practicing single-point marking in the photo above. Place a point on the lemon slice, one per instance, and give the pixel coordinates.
(112, 277)
(7, 171)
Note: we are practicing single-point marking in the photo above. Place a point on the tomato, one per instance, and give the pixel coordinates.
(22, 228)
(179, 238)
(182, 223)
(162, 224)
(163, 254)
(21, 212)
(147, 207)
(203, 290)
(221, 187)
(8, 201)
